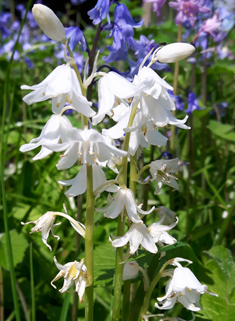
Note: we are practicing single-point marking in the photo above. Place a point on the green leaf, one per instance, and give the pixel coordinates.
(222, 130)
(19, 245)
(104, 264)
(222, 275)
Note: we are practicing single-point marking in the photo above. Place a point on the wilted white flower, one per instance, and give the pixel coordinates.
(124, 200)
(183, 287)
(62, 86)
(55, 130)
(48, 22)
(174, 52)
(162, 170)
(44, 224)
(73, 273)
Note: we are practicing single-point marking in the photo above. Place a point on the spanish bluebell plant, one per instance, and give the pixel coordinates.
(141, 108)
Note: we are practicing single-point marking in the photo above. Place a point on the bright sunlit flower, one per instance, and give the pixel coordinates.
(63, 87)
(183, 287)
(73, 273)
(85, 146)
(44, 224)
(123, 201)
(55, 130)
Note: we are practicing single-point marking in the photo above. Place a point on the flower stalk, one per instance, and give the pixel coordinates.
(89, 256)
(120, 228)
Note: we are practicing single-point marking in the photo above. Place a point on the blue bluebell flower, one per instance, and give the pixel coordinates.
(100, 12)
(122, 33)
(192, 104)
(5, 20)
(76, 36)
(179, 103)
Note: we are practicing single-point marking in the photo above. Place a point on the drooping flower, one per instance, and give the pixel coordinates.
(159, 232)
(113, 89)
(188, 10)
(44, 224)
(49, 22)
(62, 86)
(124, 200)
(73, 273)
(155, 102)
(183, 287)
(143, 134)
(99, 12)
(55, 130)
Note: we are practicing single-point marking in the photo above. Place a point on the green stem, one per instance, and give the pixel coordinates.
(120, 229)
(175, 85)
(137, 176)
(32, 284)
(151, 288)
(126, 299)
(225, 224)
(89, 257)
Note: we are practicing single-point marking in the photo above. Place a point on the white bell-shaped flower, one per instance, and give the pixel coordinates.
(183, 287)
(159, 232)
(155, 102)
(48, 22)
(73, 273)
(113, 88)
(85, 146)
(142, 134)
(124, 200)
(63, 87)
(137, 235)
(55, 130)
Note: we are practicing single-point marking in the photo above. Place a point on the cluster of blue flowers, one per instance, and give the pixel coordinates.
(196, 16)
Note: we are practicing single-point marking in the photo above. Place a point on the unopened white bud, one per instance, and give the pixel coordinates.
(175, 52)
(48, 22)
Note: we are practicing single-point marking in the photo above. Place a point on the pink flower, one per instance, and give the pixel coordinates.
(211, 24)
(188, 9)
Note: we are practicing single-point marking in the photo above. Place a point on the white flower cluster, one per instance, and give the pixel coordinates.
(147, 102)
